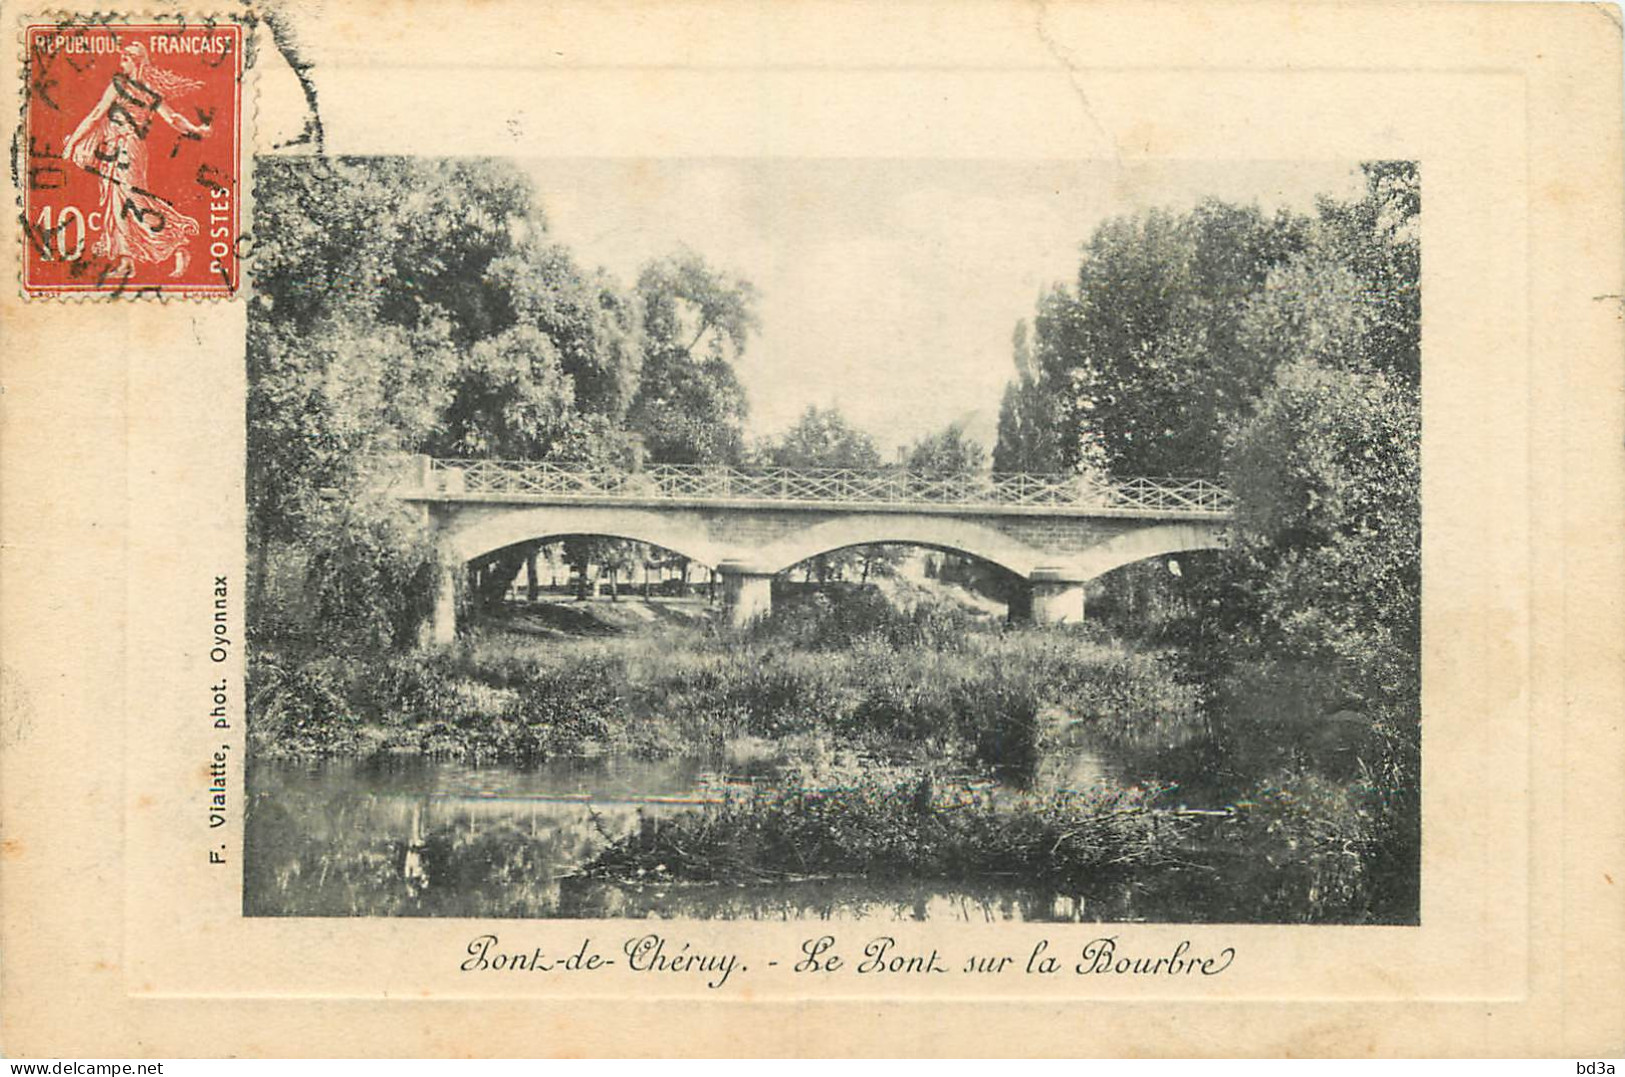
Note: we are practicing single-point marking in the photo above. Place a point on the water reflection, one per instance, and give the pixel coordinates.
(430, 838)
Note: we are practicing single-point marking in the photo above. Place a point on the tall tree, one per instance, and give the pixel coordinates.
(510, 399)
(1326, 470)
(595, 326)
(1378, 238)
(1282, 356)
(950, 451)
(1144, 352)
(1327, 478)
(690, 407)
(1029, 418)
(418, 305)
(822, 437)
(369, 279)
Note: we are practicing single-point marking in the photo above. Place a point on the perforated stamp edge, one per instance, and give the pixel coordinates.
(246, 103)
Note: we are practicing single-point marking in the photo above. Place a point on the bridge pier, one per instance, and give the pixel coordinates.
(533, 585)
(747, 594)
(1056, 600)
(441, 628)
(1019, 610)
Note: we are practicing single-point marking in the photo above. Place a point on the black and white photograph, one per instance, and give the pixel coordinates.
(838, 539)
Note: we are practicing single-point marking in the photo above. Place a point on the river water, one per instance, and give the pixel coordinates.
(345, 838)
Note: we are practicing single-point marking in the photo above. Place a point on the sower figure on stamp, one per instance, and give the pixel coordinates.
(136, 224)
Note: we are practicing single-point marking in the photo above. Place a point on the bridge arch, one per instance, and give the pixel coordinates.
(988, 544)
(1144, 542)
(937, 532)
(471, 535)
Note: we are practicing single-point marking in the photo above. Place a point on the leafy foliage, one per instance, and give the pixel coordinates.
(1030, 431)
(511, 399)
(822, 437)
(373, 575)
(848, 665)
(415, 305)
(1282, 357)
(948, 452)
(595, 325)
(690, 407)
(905, 824)
(1144, 352)
(1327, 478)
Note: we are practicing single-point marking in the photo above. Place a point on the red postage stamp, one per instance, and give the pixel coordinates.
(133, 159)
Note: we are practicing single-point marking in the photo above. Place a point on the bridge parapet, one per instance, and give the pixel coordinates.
(539, 482)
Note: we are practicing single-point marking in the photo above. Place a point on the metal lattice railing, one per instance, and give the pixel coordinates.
(525, 479)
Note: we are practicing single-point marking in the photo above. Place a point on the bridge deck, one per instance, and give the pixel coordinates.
(535, 482)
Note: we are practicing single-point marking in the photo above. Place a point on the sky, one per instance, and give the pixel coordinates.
(888, 289)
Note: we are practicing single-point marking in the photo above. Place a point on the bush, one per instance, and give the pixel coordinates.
(906, 823)
(787, 694)
(978, 703)
(1131, 699)
(372, 576)
(414, 688)
(1001, 714)
(1327, 477)
(844, 617)
(299, 708)
(1302, 847)
(568, 708)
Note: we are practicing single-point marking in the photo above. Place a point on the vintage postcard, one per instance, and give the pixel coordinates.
(985, 528)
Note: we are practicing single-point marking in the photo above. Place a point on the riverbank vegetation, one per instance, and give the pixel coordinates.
(921, 746)
(853, 672)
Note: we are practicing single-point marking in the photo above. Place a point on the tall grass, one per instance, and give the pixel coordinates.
(899, 824)
(925, 682)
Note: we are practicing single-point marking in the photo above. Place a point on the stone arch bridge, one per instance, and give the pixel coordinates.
(1057, 532)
